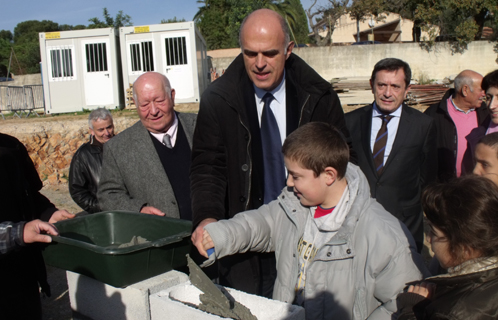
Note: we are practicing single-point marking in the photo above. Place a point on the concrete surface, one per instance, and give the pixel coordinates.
(92, 299)
(168, 302)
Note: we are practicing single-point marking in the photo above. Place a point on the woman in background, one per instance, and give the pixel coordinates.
(463, 222)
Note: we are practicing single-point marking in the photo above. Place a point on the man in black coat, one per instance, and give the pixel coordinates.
(459, 112)
(22, 270)
(228, 162)
(84, 172)
(398, 170)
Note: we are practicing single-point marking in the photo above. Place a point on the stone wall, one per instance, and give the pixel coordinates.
(24, 80)
(359, 60)
(51, 143)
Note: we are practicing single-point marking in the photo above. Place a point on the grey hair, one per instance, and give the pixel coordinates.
(462, 80)
(167, 85)
(98, 114)
(283, 25)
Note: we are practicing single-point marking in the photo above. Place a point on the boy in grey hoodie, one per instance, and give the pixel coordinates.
(339, 254)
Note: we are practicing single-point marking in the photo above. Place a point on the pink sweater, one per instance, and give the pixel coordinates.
(464, 123)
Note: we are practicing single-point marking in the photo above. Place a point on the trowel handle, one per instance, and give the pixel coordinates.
(210, 251)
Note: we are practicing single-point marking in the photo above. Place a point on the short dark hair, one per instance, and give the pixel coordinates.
(392, 64)
(490, 80)
(316, 146)
(464, 209)
(490, 140)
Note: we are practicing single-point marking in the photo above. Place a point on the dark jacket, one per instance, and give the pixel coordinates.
(447, 137)
(227, 164)
(464, 297)
(226, 173)
(22, 270)
(410, 167)
(84, 175)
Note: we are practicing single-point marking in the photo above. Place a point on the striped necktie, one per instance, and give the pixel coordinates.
(380, 144)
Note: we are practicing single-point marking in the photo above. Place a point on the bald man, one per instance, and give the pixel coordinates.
(236, 157)
(461, 110)
(146, 167)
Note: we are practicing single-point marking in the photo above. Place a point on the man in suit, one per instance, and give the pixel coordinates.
(396, 145)
(146, 167)
(236, 164)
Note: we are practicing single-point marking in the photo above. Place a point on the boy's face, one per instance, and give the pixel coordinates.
(311, 190)
(486, 162)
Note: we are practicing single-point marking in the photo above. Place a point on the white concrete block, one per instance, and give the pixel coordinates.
(96, 300)
(166, 303)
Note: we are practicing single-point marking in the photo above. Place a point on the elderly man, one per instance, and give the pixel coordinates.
(395, 145)
(84, 172)
(460, 111)
(146, 167)
(244, 117)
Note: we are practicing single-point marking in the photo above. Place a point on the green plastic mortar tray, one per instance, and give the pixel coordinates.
(89, 245)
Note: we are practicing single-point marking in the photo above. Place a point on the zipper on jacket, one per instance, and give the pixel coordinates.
(302, 109)
(248, 144)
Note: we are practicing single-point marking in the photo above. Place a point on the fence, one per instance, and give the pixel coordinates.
(20, 100)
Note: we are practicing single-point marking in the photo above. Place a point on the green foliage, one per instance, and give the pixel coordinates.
(300, 29)
(121, 20)
(7, 35)
(172, 20)
(459, 21)
(27, 31)
(219, 20)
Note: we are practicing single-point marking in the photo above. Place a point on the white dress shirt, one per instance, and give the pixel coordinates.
(392, 129)
(172, 131)
(277, 106)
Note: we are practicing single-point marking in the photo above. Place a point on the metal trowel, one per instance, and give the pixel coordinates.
(215, 300)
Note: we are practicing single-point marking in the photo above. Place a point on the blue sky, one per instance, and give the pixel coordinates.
(73, 12)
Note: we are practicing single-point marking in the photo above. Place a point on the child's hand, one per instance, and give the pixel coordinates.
(425, 289)
(207, 243)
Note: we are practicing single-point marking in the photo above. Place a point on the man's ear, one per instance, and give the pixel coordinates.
(91, 131)
(330, 175)
(465, 90)
(290, 46)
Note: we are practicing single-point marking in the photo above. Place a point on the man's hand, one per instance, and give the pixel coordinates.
(198, 236)
(33, 232)
(60, 215)
(152, 210)
(425, 289)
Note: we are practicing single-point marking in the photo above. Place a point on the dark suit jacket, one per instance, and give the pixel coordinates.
(133, 175)
(411, 165)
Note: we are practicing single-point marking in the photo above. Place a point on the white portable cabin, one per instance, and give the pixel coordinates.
(176, 50)
(81, 70)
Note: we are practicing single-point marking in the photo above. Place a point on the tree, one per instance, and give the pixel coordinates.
(121, 20)
(361, 10)
(459, 21)
(7, 35)
(27, 31)
(212, 21)
(172, 20)
(219, 20)
(328, 15)
(301, 29)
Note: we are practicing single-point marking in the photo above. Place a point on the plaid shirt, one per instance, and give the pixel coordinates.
(11, 236)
